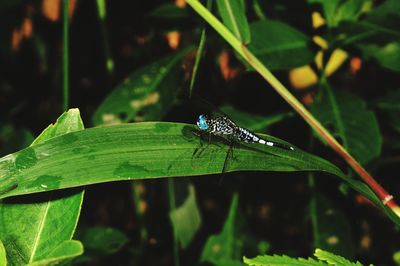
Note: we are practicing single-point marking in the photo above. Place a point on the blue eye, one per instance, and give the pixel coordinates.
(202, 122)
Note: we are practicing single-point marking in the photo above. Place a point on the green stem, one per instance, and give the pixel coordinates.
(65, 55)
(242, 50)
(172, 206)
(101, 11)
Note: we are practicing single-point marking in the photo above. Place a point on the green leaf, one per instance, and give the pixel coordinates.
(139, 151)
(347, 117)
(3, 256)
(380, 26)
(388, 56)
(145, 95)
(389, 104)
(186, 219)
(225, 247)
(396, 257)
(103, 240)
(280, 46)
(336, 11)
(65, 252)
(31, 227)
(328, 9)
(252, 121)
(276, 260)
(331, 228)
(234, 17)
(384, 18)
(333, 259)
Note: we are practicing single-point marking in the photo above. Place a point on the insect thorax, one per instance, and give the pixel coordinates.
(222, 126)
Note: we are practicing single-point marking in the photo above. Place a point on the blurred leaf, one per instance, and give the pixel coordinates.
(144, 95)
(380, 26)
(3, 256)
(385, 17)
(346, 116)
(280, 46)
(387, 56)
(332, 230)
(137, 151)
(234, 17)
(389, 104)
(13, 139)
(336, 11)
(103, 240)
(333, 259)
(65, 252)
(169, 11)
(396, 257)
(32, 227)
(267, 260)
(252, 121)
(225, 248)
(186, 219)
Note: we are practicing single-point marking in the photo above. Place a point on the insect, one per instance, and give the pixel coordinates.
(225, 127)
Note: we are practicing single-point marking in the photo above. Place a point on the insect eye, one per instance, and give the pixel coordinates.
(202, 122)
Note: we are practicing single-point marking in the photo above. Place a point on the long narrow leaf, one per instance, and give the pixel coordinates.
(138, 151)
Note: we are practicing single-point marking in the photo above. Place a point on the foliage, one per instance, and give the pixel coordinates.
(135, 62)
(324, 258)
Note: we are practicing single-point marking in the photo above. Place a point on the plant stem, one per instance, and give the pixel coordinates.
(241, 49)
(172, 206)
(65, 55)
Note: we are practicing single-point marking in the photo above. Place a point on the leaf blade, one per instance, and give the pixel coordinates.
(31, 226)
(234, 17)
(137, 151)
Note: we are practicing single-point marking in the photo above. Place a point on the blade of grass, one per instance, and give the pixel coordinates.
(102, 14)
(65, 54)
(242, 50)
(172, 206)
(200, 51)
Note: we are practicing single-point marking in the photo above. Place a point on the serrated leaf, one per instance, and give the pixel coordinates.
(224, 247)
(139, 151)
(234, 17)
(333, 259)
(186, 219)
(331, 228)
(347, 117)
(276, 260)
(65, 252)
(145, 95)
(31, 227)
(280, 46)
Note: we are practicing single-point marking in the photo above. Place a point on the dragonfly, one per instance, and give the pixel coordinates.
(223, 126)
